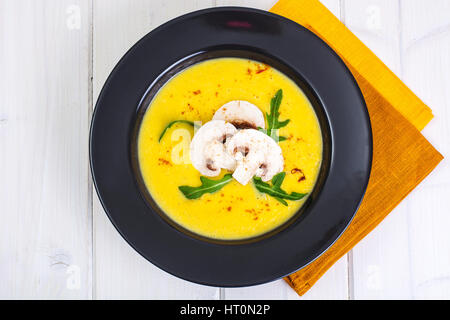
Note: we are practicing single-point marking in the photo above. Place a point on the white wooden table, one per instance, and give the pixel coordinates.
(55, 239)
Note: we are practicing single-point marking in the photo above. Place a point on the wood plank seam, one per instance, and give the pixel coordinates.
(350, 275)
(90, 107)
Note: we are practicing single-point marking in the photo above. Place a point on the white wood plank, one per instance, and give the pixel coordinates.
(430, 241)
(426, 64)
(121, 273)
(381, 261)
(406, 256)
(258, 4)
(334, 284)
(334, 6)
(376, 24)
(45, 193)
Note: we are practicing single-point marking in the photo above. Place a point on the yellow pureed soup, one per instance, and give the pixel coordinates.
(235, 211)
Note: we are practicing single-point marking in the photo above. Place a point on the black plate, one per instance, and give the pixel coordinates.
(252, 34)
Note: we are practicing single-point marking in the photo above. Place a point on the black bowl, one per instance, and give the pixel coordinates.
(231, 32)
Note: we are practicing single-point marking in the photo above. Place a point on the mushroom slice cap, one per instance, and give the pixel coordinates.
(207, 149)
(256, 154)
(242, 114)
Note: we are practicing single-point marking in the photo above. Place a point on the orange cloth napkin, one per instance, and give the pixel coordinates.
(402, 157)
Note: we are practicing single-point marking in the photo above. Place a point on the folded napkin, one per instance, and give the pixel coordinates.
(402, 157)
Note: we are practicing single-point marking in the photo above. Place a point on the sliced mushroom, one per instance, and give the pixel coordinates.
(256, 154)
(242, 114)
(208, 152)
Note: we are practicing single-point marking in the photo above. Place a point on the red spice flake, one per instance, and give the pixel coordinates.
(196, 92)
(253, 213)
(261, 68)
(229, 208)
(217, 93)
(162, 161)
(267, 204)
(182, 112)
(249, 71)
(190, 107)
(221, 194)
(302, 175)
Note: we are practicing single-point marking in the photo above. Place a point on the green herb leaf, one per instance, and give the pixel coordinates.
(283, 202)
(208, 186)
(275, 190)
(262, 130)
(273, 123)
(278, 179)
(174, 122)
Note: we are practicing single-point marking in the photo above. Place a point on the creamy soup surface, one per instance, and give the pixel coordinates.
(236, 211)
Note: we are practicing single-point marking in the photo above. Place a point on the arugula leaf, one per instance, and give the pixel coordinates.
(283, 202)
(275, 190)
(280, 138)
(172, 123)
(273, 123)
(208, 186)
(278, 179)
